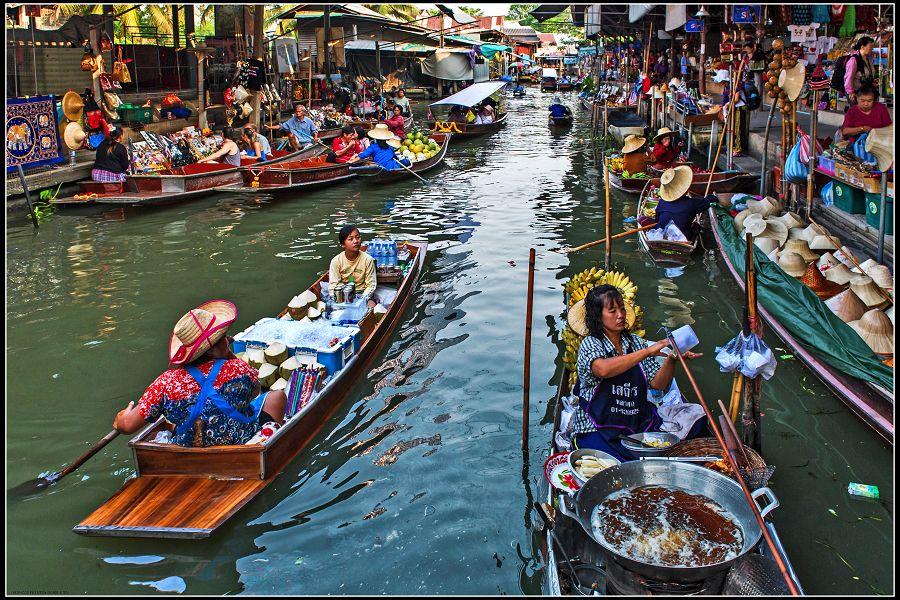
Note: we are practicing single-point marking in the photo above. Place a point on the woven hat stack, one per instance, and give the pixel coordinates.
(868, 292)
(757, 226)
(796, 233)
(827, 259)
(801, 248)
(847, 306)
(839, 274)
(882, 277)
(814, 280)
(766, 207)
(791, 220)
(768, 245)
(822, 242)
(792, 264)
(876, 330)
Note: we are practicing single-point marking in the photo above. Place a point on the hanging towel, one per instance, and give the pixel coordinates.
(820, 13)
(848, 29)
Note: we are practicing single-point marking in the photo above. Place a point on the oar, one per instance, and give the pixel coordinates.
(35, 485)
(614, 237)
(410, 170)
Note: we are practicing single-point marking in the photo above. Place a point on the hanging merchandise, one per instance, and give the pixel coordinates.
(848, 28)
(109, 83)
(865, 18)
(837, 13)
(120, 69)
(801, 14)
(105, 43)
(820, 13)
(256, 74)
(804, 146)
(795, 170)
(32, 136)
(87, 62)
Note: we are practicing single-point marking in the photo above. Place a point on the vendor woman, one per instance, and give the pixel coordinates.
(666, 148)
(677, 206)
(353, 265)
(864, 116)
(615, 370)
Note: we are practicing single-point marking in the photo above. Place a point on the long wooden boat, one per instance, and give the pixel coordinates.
(871, 403)
(469, 130)
(565, 87)
(190, 492)
(292, 175)
(564, 121)
(378, 175)
(722, 182)
(622, 123)
(178, 184)
(664, 253)
(334, 132)
(630, 185)
(584, 551)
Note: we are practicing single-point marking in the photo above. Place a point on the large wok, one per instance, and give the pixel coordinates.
(689, 477)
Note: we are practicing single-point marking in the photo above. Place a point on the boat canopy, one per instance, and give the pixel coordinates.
(472, 95)
(549, 73)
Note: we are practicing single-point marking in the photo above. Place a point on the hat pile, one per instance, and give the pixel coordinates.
(73, 110)
(876, 330)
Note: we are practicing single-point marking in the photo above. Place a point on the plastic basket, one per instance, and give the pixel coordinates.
(135, 114)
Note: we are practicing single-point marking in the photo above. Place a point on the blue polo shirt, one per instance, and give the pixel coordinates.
(302, 130)
(384, 157)
(557, 110)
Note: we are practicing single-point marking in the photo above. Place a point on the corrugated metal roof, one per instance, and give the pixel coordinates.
(369, 45)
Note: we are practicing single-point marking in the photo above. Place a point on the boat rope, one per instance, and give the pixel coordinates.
(255, 173)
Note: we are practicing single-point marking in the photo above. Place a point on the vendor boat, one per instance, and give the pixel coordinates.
(331, 133)
(790, 318)
(664, 253)
(629, 185)
(622, 123)
(564, 121)
(586, 104)
(292, 175)
(178, 184)
(467, 98)
(378, 175)
(190, 492)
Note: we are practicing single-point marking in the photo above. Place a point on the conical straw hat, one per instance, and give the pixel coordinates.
(792, 264)
(791, 80)
(72, 105)
(767, 245)
(868, 292)
(844, 255)
(796, 233)
(882, 277)
(633, 143)
(756, 226)
(814, 280)
(880, 142)
(876, 330)
(73, 135)
(810, 233)
(791, 220)
(866, 265)
(739, 220)
(801, 248)
(847, 306)
(839, 274)
(828, 259)
(766, 207)
(674, 183)
(822, 242)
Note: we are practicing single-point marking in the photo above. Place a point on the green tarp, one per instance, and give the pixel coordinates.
(803, 315)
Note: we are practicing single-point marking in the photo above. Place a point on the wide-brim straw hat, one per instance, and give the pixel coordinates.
(74, 135)
(800, 247)
(72, 105)
(828, 259)
(791, 220)
(767, 245)
(814, 280)
(882, 277)
(791, 80)
(880, 142)
(792, 264)
(663, 132)
(380, 132)
(199, 330)
(395, 142)
(810, 233)
(758, 227)
(822, 242)
(739, 220)
(633, 143)
(847, 306)
(866, 265)
(868, 292)
(838, 274)
(674, 183)
(876, 330)
(766, 206)
(576, 316)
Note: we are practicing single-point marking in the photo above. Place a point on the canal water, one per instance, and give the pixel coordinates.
(417, 484)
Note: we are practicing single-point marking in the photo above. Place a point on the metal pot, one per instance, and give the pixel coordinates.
(689, 477)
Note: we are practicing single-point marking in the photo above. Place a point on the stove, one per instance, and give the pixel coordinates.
(623, 582)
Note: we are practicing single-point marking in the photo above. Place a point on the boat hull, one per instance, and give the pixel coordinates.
(468, 130)
(381, 176)
(664, 253)
(561, 121)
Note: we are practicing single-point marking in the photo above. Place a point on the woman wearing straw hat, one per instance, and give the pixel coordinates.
(210, 396)
(382, 151)
(666, 148)
(615, 370)
(677, 206)
(112, 161)
(634, 155)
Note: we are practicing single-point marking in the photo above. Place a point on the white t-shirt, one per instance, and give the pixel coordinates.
(803, 33)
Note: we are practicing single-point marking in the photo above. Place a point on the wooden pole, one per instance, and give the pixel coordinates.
(27, 195)
(529, 303)
(614, 237)
(751, 417)
(608, 254)
(722, 136)
(812, 154)
(731, 120)
(309, 100)
(765, 156)
(258, 33)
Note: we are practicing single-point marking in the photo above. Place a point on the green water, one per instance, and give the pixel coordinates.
(417, 484)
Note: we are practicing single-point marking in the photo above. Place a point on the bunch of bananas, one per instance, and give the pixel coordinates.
(616, 164)
(584, 280)
(622, 281)
(573, 343)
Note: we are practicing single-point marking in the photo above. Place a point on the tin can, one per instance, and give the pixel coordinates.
(350, 292)
(338, 293)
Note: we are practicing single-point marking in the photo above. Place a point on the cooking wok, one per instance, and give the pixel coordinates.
(688, 477)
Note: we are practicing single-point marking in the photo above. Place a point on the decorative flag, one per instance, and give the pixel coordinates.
(32, 137)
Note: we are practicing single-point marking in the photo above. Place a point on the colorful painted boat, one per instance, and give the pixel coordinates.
(468, 98)
(292, 175)
(377, 175)
(630, 185)
(190, 492)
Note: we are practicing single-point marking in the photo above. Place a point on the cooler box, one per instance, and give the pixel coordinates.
(848, 198)
(873, 205)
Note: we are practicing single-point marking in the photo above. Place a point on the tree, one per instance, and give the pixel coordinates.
(471, 10)
(402, 12)
(561, 23)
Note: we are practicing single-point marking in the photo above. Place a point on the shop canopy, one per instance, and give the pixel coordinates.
(491, 50)
(549, 73)
(472, 95)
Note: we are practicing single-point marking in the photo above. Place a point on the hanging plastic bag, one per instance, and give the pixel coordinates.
(757, 358)
(827, 193)
(795, 170)
(804, 141)
(729, 355)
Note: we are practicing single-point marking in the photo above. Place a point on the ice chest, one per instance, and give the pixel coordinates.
(849, 199)
(333, 358)
(873, 206)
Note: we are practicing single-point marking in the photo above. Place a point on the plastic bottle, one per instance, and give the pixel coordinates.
(393, 254)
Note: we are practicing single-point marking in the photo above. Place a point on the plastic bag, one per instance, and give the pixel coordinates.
(827, 193)
(673, 234)
(656, 235)
(748, 355)
(795, 170)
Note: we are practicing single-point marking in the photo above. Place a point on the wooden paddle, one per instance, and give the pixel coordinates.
(35, 485)
(614, 237)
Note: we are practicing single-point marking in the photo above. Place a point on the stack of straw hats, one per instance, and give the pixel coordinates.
(876, 330)
(868, 292)
(847, 306)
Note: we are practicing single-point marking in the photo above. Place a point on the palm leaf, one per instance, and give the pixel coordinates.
(403, 12)
(161, 17)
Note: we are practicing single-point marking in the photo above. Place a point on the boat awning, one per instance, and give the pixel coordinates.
(549, 73)
(472, 95)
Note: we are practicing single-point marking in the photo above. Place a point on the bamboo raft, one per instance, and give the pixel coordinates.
(190, 492)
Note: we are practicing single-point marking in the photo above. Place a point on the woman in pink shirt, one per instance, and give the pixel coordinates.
(395, 123)
(859, 71)
(867, 114)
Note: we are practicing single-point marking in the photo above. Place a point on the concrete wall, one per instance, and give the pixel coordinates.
(58, 70)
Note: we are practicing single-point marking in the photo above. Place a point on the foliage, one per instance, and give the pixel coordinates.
(561, 23)
(471, 10)
(42, 207)
(402, 12)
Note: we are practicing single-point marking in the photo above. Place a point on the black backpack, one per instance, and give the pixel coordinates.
(840, 70)
(751, 96)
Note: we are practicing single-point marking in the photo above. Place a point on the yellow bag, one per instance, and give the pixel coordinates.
(470, 116)
(120, 70)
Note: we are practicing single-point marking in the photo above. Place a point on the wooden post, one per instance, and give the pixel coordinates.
(608, 255)
(731, 119)
(529, 304)
(27, 194)
(258, 32)
(310, 92)
(751, 419)
(812, 154)
(94, 36)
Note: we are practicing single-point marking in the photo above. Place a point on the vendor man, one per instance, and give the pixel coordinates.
(403, 102)
(301, 129)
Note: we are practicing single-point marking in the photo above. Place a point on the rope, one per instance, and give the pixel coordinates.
(445, 127)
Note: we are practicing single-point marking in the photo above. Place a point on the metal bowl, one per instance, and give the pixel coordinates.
(575, 455)
(659, 436)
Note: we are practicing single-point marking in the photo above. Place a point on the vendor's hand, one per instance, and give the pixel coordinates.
(866, 128)
(118, 421)
(656, 349)
(691, 355)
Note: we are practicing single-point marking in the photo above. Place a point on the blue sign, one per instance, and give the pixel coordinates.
(745, 13)
(587, 51)
(693, 26)
(570, 60)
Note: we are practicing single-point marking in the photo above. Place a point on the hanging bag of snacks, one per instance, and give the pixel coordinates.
(120, 70)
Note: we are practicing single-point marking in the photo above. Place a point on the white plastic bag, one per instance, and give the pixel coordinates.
(673, 234)
(656, 235)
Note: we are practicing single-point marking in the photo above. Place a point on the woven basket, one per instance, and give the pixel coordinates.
(756, 474)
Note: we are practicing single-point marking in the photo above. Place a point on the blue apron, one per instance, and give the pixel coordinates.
(208, 392)
(619, 406)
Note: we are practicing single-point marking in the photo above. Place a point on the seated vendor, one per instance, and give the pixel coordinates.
(403, 102)
(395, 122)
(228, 412)
(557, 109)
(111, 162)
(383, 150)
(676, 206)
(353, 265)
(615, 370)
(666, 148)
(257, 145)
(229, 153)
(634, 155)
(345, 146)
(456, 115)
(864, 116)
(301, 130)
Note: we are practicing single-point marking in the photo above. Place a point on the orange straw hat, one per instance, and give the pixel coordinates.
(199, 330)
(847, 306)
(814, 280)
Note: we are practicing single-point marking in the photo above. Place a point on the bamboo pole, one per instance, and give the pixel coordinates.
(614, 237)
(722, 136)
(528, 318)
(812, 154)
(730, 120)
(608, 253)
(765, 156)
(752, 419)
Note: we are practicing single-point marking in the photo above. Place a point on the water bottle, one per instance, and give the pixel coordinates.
(393, 247)
(376, 249)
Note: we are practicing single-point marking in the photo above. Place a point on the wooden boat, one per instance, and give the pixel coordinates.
(586, 104)
(871, 403)
(292, 175)
(665, 253)
(622, 123)
(564, 121)
(190, 492)
(722, 182)
(467, 130)
(586, 555)
(565, 87)
(630, 185)
(333, 132)
(468, 98)
(178, 184)
(377, 175)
